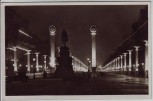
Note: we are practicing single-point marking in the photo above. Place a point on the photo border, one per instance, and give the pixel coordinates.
(73, 97)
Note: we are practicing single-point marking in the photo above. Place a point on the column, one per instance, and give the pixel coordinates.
(75, 63)
(52, 30)
(28, 61)
(15, 60)
(45, 67)
(37, 62)
(116, 63)
(124, 61)
(146, 58)
(130, 60)
(93, 51)
(121, 56)
(93, 33)
(136, 58)
(119, 63)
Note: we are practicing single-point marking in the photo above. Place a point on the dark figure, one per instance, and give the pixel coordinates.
(22, 74)
(34, 71)
(141, 71)
(44, 74)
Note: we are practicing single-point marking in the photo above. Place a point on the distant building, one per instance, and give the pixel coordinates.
(17, 34)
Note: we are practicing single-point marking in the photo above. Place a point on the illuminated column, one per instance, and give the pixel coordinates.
(45, 67)
(93, 33)
(121, 56)
(110, 65)
(15, 60)
(114, 64)
(37, 62)
(75, 63)
(52, 30)
(146, 55)
(125, 61)
(146, 58)
(130, 60)
(28, 61)
(136, 57)
(118, 62)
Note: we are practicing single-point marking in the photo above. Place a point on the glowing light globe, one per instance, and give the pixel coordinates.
(52, 29)
(93, 29)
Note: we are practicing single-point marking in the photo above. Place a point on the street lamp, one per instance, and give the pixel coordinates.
(136, 58)
(88, 60)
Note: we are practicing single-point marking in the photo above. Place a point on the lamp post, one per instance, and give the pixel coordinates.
(136, 59)
(121, 56)
(114, 64)
(15, 60)
(125, 62)
(45, 67)
(52, 30)
(37, 62)
(146, 58)
(93, 30)
(88, 60)
(130, 61)
(28, 60)
(118, 63)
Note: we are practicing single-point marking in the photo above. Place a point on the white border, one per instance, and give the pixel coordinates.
(68, 0)
(72, 97)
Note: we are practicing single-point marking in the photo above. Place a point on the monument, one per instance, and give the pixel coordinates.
(64, 68)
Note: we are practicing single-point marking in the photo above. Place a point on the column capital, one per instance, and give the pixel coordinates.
(93, 34)
(37, 53)
(129, 50)
(146, 42)
(28, 51)
(114, 60)
(52, 30)
(124, 54)
(14, 49)
(52, 34)
(136, 48)
(121, 56)
(45, 56)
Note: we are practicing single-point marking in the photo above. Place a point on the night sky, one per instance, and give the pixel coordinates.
(113, 25)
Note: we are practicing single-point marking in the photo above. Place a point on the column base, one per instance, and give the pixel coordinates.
(136, 73)
(146, 73)
(129, 72)
(93, 74)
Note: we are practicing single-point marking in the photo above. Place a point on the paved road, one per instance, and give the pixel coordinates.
(107, 84)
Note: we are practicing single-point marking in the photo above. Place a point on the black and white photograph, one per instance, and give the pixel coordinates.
(71, 49)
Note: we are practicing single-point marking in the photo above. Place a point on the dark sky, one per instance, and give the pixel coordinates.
(113, 23)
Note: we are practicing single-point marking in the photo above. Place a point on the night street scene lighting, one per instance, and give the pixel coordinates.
(77, 50)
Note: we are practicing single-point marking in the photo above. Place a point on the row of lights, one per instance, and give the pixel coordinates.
(78, 65)
(118, 65)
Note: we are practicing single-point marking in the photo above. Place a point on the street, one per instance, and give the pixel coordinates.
(106, 84)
